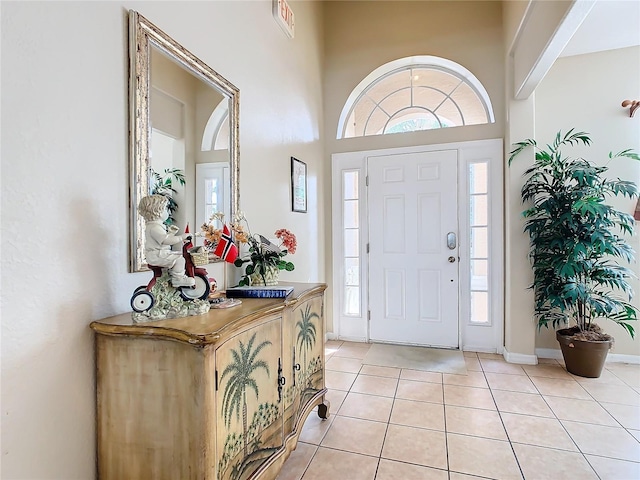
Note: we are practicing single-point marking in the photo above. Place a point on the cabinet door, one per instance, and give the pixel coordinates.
(304, 343)
(248, 400)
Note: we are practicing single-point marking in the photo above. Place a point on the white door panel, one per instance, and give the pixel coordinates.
(413, 287)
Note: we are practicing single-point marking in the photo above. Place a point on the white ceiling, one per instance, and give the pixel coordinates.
(610, 24)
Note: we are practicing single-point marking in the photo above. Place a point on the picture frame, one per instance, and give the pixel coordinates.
(298, 185)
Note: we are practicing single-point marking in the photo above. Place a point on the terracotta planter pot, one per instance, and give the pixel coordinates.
(584, 358)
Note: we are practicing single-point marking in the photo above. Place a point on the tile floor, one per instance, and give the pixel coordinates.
(500, 421)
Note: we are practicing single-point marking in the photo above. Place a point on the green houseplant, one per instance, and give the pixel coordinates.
(576, 243)
(265, 259)
(163, 185)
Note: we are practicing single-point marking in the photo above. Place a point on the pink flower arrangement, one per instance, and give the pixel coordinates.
(288, 240)
(263, 254)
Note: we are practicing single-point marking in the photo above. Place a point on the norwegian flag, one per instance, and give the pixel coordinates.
(226, 249)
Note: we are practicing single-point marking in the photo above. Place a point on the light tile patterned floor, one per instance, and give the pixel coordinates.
(501, 421)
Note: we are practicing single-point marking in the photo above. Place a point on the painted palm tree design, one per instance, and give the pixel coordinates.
(306, 331)
(240, 379)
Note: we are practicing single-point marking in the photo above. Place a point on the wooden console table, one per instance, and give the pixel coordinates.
(220, 396)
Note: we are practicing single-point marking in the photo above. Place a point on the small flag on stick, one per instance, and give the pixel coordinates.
(186, 232)
(226, 249)
(267, 245)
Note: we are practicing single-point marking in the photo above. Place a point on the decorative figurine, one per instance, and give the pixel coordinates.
(179, 287)
(158, 241)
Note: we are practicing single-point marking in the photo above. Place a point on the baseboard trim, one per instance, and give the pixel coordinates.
(552, 353)
(343, 338)
(347, 338)
(473, 348)
(519, 358)
(623, 358)
(556, 354)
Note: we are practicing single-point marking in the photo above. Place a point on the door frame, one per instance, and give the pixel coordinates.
(471, 336)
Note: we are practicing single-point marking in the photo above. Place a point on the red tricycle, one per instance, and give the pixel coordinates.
(142, 299)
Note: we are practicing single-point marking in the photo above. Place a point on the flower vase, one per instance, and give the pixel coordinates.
(271, 276)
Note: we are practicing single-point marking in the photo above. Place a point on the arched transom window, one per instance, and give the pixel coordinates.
(415, 93)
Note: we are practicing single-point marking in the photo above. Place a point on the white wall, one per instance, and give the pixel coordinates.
(585, 92)
(65, 196)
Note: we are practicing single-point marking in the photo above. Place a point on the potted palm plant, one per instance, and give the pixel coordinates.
(576, 245)
(163, 185)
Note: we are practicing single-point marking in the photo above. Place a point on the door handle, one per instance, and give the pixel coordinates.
(281, 380)
(452, 241)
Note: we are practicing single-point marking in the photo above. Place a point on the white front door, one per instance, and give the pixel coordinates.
(413, 241)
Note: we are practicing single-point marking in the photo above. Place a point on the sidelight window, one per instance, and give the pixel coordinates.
(351, 238)
(479, 242)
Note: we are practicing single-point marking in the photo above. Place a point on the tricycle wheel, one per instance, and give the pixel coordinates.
(199, 291)
(141, 301)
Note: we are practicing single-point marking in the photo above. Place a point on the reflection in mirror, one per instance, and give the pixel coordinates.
(184, 133)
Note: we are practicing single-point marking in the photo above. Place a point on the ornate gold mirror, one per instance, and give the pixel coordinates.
(183, 133)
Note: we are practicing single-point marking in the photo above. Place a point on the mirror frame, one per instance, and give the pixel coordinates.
(142, 36)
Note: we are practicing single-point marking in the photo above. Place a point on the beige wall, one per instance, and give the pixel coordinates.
(65, 189)
(534, 39)
(361, 36)
(585, 92)
(513, 14)
(519, 334)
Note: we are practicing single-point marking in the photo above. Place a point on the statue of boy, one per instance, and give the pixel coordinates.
(158, 241)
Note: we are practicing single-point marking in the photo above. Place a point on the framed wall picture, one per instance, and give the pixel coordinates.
(298, 185)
